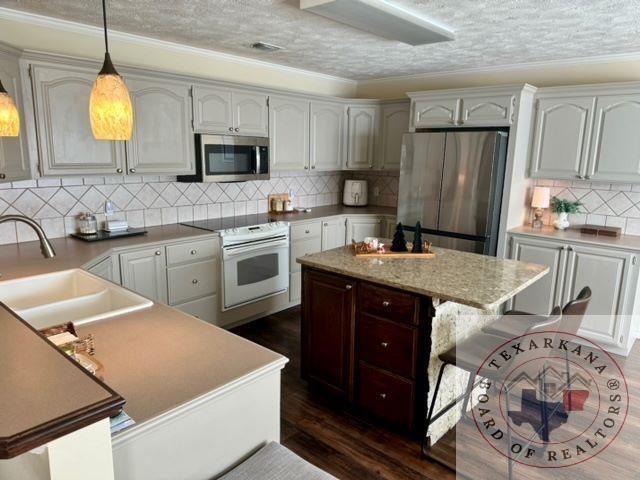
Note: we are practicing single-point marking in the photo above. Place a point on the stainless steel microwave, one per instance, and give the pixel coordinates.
(226, 158)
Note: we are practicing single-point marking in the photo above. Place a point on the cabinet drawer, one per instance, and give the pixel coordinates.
(386, 395)
(388, 303)
(300, 248)
(387, 345)
(192, 281)
(301, 231)
(203, 308)
(192, 251)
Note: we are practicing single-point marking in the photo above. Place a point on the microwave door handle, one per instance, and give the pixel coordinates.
(257, 150)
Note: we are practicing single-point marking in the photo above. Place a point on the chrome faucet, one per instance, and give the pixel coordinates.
(45, 246)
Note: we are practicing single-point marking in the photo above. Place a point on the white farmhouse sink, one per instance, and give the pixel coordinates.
(68, 296)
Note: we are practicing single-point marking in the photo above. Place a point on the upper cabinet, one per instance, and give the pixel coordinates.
(289, 133)
(14, 157)
(362, 128)
(162, 139)
(65, 141)
(328, 132)
(562, 129)
(436, 112)
(487, 110)
(230, 112)
(394, 123)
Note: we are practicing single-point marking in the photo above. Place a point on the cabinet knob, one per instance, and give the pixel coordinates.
(193, 252)
(384, 344)
(158, 252)
(118, 170)
(132, 170)
(386, 303)
(194, 281)
(237, 129)
(349, 287)
(306, 231)
(313, 167)
(325, 224)
(383, 396)
(306, 167)
(2, 176)
(231, 129)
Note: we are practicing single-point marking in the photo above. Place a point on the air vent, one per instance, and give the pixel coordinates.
(265, 47)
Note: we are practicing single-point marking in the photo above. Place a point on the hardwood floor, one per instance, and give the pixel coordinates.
(348, 446)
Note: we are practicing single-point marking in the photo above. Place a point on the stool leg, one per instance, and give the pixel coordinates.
(425, 436)
(509, 460)
(470, 382)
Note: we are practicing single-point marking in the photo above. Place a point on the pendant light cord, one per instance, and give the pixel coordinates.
(104, 20)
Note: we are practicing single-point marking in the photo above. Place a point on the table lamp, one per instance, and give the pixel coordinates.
(539, 201)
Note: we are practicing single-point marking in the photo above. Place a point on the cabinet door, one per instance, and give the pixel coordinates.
(360, 227)
(14, 156)
(540, 297)
(615, 147)
(65, 141)
(333, 233)
(606, 272)
(250, 114)
(361, 137)
(561, 137)
(144, 272)
(436, 112)
(389, 227)
(212, 110)
(162, 139)
(327, 135)
(488, 111)
(327, 323)
(289, 133)
(394, 124)
(107, 268)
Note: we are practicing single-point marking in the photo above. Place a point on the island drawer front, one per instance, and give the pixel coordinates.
(192, 281)
(205, 308)
(388, 303)
(387, 345)
(192, 251)
(301, 231)
(386, 395)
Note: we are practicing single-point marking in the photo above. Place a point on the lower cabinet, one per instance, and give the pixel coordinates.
(306, 238)
(144, 272)
(107, 268)
(363, 226)
(333, 233)
(612, 275)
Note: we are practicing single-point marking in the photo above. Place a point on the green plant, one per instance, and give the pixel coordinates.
(559, 205)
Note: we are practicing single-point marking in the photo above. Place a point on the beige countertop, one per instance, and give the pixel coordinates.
(479, 281)
(630, 242)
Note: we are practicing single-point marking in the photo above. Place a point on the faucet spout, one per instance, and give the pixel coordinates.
(45, 245)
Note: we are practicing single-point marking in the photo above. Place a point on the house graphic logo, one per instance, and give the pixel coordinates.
(549, 400)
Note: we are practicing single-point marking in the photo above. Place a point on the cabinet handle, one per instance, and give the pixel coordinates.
(325, 224)
(231, 129)
(587, 177)
(306, 231)
(384, 344)
(237, 129)
(313, 167)
(306, 167)
(132, 170)
(570, 248)
(386, 303)
(383, 396)
(193, 252)
(158, 252)
(349, 287)
(2, 176)
(118, 170)
(194, 281)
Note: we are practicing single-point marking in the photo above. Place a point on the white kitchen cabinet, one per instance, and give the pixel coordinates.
(489, 111)
(205, 308)
(363, 226)
(361, 139)
(333, 233)
(612, 275)
(162, 140)
(327, 136)
(394, 123)
(289, 133)
(615, 143)
(230, 112)
(435, 112)
(388, 227)
(144, 272)
(14, 153)
(107, 268)
(306, 238)
(65, 141)
(562, 131)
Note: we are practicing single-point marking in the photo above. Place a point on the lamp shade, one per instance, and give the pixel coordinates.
(541, 196)
(9, 116)
(110, 106)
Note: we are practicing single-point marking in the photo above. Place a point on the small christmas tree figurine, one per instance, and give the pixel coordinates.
(399, 244)
(417, 239)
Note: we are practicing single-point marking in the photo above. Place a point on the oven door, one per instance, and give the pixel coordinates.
(256, 271)
(229, 159)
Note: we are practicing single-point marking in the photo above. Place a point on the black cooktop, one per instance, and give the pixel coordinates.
(217, 224)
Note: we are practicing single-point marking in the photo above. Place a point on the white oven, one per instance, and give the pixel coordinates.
(255, 263)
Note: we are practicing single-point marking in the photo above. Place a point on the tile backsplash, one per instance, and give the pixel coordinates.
(616, 205)
(151, 200)
(382, 186)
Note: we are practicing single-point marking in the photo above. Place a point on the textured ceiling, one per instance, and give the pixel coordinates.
(488, 32)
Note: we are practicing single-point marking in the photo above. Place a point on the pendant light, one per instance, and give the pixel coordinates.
(110, 105)
(9, 117)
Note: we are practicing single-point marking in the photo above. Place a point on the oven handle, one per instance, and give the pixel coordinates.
(233, 251)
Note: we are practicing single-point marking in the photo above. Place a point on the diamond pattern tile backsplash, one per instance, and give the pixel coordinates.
(382, 186)
(151, 200)
(616, 205)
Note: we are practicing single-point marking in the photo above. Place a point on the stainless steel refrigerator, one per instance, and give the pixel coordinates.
(451, 181)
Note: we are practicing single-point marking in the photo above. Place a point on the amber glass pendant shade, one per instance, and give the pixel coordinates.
(110, 105)
(9, 116)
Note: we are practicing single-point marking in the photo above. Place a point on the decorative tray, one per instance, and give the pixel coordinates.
(104, 235)
(362, 250)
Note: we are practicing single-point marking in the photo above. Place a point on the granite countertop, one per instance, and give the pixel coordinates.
(479, 281)
(629, 242)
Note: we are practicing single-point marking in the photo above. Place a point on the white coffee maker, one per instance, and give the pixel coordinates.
(355, 193)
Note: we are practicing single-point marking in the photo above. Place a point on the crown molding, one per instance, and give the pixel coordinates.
(93, 31)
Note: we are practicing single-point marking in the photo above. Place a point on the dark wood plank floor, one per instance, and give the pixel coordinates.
(351, 448)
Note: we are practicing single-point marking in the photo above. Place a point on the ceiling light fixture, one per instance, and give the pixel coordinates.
(110, 105)
(381, 18)
(9, 116)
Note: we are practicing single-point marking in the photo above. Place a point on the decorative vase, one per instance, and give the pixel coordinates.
(562, 222)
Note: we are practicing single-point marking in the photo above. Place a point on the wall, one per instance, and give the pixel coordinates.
(616, 205)
(151, 200)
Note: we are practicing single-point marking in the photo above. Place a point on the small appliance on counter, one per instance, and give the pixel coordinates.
(355, 193)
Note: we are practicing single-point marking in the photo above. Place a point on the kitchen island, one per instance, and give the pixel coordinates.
(372, 328)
